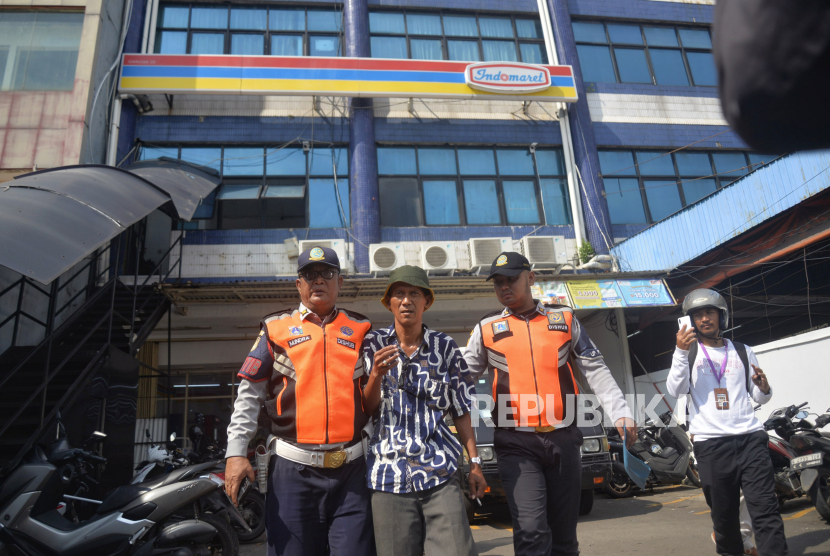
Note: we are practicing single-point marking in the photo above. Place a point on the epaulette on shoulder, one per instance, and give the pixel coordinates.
(356, 316)
(557, 306)
(278, 315)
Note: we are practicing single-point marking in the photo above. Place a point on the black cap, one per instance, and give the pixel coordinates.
(318, 255)
(509, 263)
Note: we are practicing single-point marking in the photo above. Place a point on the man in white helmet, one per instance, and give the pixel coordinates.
(723, 379)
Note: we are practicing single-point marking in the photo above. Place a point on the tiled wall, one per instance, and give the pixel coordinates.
(666, 135)
(680, 12)
(653, 109)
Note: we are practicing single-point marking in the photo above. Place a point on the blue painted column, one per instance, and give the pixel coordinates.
(126, 134)
(363, 154)
(594, 205)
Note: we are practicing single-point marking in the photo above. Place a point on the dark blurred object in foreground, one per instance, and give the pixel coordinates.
(773, 59)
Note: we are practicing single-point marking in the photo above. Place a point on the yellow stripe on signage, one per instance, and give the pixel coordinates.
(182, 83)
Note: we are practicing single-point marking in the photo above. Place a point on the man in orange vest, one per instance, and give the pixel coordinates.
(533, 351)
(305, 368)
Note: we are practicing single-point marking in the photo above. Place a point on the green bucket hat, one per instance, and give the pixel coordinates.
(412, 275)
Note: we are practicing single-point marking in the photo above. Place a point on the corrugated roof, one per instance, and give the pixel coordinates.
(725, 214)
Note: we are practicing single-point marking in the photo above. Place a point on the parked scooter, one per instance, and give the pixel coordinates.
(787, 480)
(665, 447)
(140, 520)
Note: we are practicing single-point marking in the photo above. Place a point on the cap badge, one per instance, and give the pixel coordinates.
(502, 260)
(316, 254)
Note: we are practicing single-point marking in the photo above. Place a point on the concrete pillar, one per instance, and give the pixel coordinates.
(132, 44)
(363, 154)
(594, 205)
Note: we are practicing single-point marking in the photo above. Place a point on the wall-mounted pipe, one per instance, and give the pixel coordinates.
(151, 35)
(148, 14)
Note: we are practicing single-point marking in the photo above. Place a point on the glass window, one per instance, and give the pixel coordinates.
(426, 49)
(617, 162)
(632, 65)
(697, 189)
(388, 47)
(171, 42)
(249, 18)
(460, 26)
(286, 19)
(514, 162)
(207, 43)
(320, 162)
(499, 51)
(400, 202)
(151, 153)
(585, 31)
(758, 160)
(237, 192)
(205, 208)
(660, 36)
(253, 45)
(173, 16)
(209, 18)
(695, 38)
(420, 24)
(436, 161)
(655, 163)
(243, 162)
(625, 204)
(668, 67)
(520, 202)
(396, 160)
(210, 157)
(596, 63)
(625, 34)
(289, 161)
(324, 211)
(441, 203)
(386, 22)
(496, 27)
(532, 53)
(286, 45)
(284, 192)
(481, 202)
(324, 20)
(464, 51)
(693, 164)
(702, 66)
(529, 28)
(550, 163)
(730, 166)
(476, 162)
(324, 46)
(663, 198)
(556, 202)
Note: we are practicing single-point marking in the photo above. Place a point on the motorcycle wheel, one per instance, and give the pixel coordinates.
(820, 493)
(619, 486)
(252, 509)
(225, 542)
(693, 475)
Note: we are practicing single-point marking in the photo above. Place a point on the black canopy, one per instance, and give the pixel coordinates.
(51, 219)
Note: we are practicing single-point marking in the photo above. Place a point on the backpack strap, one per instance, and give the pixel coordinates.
(692, 359)
(742, 355)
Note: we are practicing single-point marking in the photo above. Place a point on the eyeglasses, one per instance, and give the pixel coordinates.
(311, 275)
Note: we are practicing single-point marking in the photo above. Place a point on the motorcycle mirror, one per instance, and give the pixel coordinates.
(173, 436)
(801, 415)
(99, 436)
(147, 433)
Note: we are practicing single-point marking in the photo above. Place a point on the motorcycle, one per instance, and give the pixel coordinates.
(665, 447)
(787, 480)
(812, 450)
(140, 520)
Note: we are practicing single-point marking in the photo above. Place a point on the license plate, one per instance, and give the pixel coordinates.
(813, 460)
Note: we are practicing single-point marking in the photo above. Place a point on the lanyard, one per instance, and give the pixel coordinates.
(718, 375)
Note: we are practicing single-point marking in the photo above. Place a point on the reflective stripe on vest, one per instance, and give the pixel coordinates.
(324, 362)
(530, 357)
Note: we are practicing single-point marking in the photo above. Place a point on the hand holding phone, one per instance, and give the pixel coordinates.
(684, 321)
(686, 334)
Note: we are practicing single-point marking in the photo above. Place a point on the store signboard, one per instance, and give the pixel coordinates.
(645, 293)
(595, 294)
(554, 293)
(344, 77)
(604, 294)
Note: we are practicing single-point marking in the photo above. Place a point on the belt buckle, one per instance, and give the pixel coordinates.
(333, 460)
(548, 428)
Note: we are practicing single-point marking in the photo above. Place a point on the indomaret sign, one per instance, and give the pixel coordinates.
(344, 77)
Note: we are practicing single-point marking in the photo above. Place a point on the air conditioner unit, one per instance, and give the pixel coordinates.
(484, 250)
(545, 251)
(337, 245)
(385, 257)
(438, 258)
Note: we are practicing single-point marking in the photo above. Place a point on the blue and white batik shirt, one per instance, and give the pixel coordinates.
(412, 449)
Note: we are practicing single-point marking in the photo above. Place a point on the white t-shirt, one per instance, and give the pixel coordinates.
(706, 420)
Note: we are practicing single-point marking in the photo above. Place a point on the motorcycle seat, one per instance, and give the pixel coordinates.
(122, 496)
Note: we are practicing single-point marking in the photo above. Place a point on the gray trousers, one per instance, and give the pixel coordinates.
(431, 522)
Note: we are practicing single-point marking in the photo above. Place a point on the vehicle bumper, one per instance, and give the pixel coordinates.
(596, 470)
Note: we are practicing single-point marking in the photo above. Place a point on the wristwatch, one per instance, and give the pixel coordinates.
(476, 460)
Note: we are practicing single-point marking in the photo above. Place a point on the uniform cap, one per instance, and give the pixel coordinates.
(508, 263)
(318, 255)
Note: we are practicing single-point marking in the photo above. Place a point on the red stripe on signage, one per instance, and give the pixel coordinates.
(185, 60)
(560, 70)
(304, 63)
(414, 65)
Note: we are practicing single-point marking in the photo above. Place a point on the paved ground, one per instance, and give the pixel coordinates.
(673, 521)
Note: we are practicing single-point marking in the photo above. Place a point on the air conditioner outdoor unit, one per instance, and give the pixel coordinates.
(545, 251)
(484, 250)
(385, 257)
(439, 258)
(337, 245)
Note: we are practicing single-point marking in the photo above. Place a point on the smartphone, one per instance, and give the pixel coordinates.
(684, 321)
(244, 488)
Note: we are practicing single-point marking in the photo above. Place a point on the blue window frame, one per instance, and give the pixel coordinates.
(642, 187)
(471, 186)
(633, 53)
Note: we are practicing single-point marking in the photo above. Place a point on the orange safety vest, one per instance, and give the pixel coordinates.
(314, 394)
(530, 357)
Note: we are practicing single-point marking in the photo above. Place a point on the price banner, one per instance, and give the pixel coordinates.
(644, 293)
(595, 294)
(555, 293)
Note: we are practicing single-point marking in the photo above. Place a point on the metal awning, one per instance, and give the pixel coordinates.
(51, 219)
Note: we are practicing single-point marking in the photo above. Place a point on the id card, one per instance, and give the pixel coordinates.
(721, 398)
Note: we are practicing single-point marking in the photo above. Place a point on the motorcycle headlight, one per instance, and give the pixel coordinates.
(591, 445)
(485, 453)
